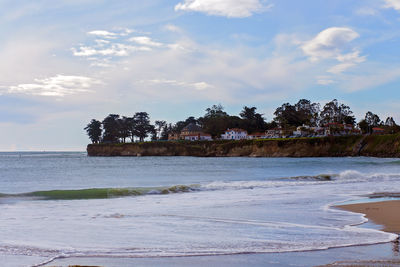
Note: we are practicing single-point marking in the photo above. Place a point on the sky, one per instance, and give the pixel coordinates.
(66, 62)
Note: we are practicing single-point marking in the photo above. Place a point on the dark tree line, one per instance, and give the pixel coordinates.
(216, 120)
(306, 113)
(372, 120)
(116, 129)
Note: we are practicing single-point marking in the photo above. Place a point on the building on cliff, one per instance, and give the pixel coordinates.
(191, 132)
(234, 134)
(257, 136)
(377, 130)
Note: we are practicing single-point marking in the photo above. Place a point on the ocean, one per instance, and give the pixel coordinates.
(67, 205)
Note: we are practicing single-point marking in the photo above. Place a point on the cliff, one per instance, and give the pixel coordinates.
(343, 146)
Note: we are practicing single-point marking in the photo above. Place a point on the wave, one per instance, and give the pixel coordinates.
(349, 176)
(369, 161)
(319, 177)
(101, 193)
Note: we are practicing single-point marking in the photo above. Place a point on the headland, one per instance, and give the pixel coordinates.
(331, 146)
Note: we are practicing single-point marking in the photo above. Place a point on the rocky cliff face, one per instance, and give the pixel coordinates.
(378, 146)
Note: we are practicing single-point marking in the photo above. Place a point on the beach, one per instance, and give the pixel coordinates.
(385, 213)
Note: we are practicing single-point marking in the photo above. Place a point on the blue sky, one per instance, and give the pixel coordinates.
(66, 62)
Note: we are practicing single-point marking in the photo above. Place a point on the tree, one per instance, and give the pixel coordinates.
(363, 126)
(372, 119)
(215, 111)
(215, 121)
(130, 124)
(252, 121)
(168, 129)
(302, 113)
(160, 125)
(391, 125)
(333, 112)
(124, 128)
(285, 115)
(153, 133)
(142, 125)
(94, 131)
(308, 113)
(390, 122)
(190, 120)
(111, 128)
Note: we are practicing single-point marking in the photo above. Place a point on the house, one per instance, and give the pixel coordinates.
(198, 137)
(318, 131)
(191, 129)
(377, 130)
(257, 136)
(173, 136)
(302, 131)
(191, 132)
(234, 134)
(274, 133)
(339, 129)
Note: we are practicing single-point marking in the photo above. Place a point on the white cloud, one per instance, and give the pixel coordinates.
(333, 44)
(108, 46)
(329, 43)
(101, 33)
(118, 50)
(196, 85)
(395, 4)
(347, 61)
(366, 11)
(59, 86)
(173, 28)
(226, 8)
(324, 80)
(146, 41)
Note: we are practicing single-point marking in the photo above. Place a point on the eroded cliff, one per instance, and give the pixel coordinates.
(374, 145)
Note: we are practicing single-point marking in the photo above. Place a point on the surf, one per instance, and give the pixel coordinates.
(101, 193)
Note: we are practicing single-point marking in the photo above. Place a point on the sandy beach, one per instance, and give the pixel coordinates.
(385, 213)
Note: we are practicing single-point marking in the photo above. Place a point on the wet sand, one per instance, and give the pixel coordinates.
(385, 213)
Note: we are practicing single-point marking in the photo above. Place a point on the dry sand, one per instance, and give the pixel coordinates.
(385, 213)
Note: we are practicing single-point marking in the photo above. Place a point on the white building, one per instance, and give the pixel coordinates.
(234, 134)
(198, 137)
(257, 136)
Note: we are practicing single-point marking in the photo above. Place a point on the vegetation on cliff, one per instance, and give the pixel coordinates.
(118, 129)
(341, 146)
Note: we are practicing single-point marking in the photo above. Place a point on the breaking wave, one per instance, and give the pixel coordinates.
(349, 176)
(101, 193)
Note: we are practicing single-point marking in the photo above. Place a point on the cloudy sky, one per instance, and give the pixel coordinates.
(65, 62)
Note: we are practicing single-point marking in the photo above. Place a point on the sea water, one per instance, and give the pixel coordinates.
(60, 205)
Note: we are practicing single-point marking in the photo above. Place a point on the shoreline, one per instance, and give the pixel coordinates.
(385, 213)
(379, 213)
(384, 254)
(351, 256)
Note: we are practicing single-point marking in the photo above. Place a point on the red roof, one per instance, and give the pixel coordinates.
(377, 129)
